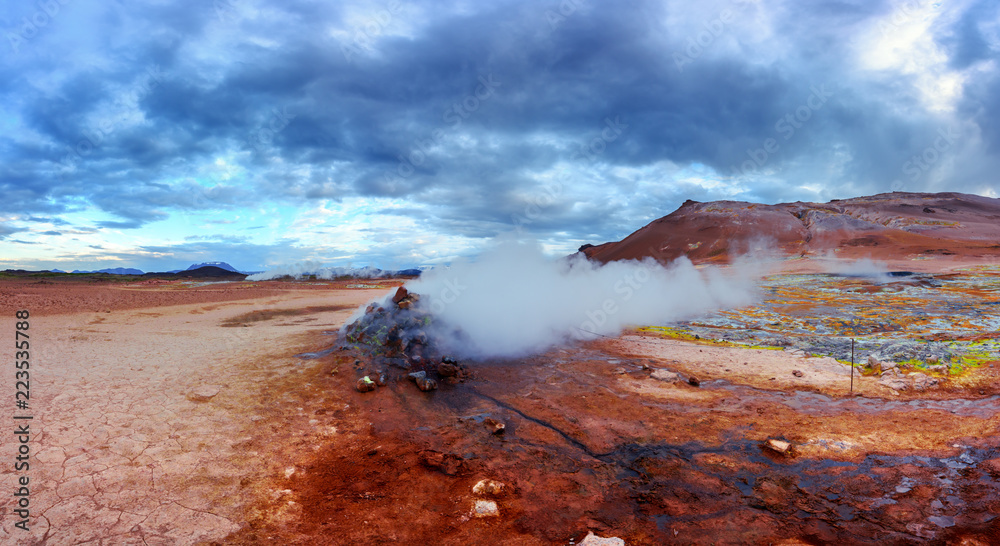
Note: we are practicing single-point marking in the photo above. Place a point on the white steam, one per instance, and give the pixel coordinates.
(865, 268)
(514, 301)
(300, 270)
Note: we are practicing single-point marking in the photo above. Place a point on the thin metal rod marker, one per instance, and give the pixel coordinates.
(852, 365)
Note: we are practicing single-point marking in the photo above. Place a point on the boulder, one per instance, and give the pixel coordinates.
(665, 375)
(426, 384)
(894, 383)
(365, 384)
(401, 293)
(494, 426)
(593, 540)
(488, 488)
(485, 509)
(778, 446)
(922, 381)
(447, 369)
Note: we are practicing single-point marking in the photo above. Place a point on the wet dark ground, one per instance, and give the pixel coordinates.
(579, 453)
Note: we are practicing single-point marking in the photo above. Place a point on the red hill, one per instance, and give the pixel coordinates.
(888, 226)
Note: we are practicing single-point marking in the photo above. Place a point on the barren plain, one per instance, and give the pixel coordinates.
(227, 413)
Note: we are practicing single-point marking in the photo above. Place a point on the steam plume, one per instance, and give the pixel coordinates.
(514, 301)
(300, 270)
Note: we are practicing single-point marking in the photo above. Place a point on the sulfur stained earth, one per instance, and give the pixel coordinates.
(228, 414)
(659, 437)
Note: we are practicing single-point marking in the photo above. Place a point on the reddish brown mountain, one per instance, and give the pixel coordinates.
(890, 226)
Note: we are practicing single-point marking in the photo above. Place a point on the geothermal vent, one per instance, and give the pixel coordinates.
(393, 339)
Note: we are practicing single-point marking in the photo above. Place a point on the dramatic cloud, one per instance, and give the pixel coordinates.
(398, 134)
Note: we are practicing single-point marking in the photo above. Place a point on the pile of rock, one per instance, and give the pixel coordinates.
(895, 378)
(394, 329)
(393, 335)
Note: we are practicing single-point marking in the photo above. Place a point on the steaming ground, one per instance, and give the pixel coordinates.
(301, 270)
(513, 300)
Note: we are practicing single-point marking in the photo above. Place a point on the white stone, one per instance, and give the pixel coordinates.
(664, 375)
(593, 540)
(488, 487)
(485, 509)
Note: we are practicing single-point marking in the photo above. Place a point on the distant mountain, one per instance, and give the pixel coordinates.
(220, 265)
(112, 271)
(56, 271)
(209, 271)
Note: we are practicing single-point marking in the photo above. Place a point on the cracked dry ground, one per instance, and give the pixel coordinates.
(288, 452)
(129, 444)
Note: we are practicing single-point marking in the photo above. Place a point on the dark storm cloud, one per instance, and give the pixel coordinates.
(459, 110)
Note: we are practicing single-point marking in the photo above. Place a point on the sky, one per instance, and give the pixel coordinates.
(401, 134)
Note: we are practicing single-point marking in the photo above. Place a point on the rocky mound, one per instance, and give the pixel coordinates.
(392, 337)
(904, 225)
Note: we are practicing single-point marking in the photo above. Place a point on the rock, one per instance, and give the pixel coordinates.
(778, 446)
(408, 302)
(693, 381)
(381, 379)
(620, 371)
(445, 462)
(940, 368)
(417, 375)
(488, 487)
(401, 294)
(665, 375)
(894, 383)
(991, 467)
(426, 384)
(485, 509)
(385, 361)
(933, 360)
(365, 384)
(922, 381)
(873, 361)
(494, 426)
(796, 373)
(593, 540)
(447, 369)
(203, 393)
(942, 521)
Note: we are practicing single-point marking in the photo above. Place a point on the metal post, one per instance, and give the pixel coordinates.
(852, 365)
